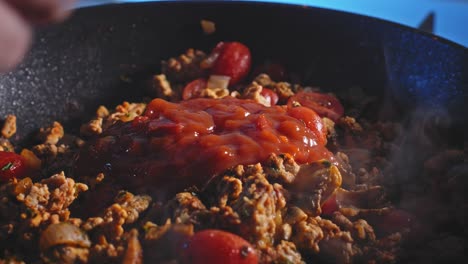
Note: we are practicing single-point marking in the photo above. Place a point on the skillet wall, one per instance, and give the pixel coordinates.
(75, 66)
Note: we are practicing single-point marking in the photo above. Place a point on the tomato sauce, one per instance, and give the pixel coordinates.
(177, 145)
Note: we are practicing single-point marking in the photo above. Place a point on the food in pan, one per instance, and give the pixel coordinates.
(226, 164)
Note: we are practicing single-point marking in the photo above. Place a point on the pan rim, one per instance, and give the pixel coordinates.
(261, 3)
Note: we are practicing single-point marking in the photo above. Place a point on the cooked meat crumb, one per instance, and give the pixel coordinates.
(253, 92)
(93, 127)
(124, 112)
(9, 127)
(184, 68)
(161, 87)
(51, 135)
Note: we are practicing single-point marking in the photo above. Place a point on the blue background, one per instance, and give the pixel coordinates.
(451, 16)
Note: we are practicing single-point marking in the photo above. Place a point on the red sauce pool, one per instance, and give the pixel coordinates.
(177, 145)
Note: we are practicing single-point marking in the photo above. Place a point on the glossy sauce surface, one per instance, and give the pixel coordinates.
(177, 145)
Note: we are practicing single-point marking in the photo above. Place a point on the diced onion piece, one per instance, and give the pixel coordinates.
(218, 81)
(209, 27)
(32, 161)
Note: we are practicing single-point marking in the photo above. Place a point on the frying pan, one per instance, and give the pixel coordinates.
(103, 55)
(75, 66)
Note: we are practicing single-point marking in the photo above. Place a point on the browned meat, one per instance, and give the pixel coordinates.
(9, 127)
(186, 67)
(347, 208)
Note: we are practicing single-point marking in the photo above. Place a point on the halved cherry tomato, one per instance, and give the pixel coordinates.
(324, 104)
(12, 166)
(231, 59)
(276, 71)
(193, 89)
(271, 96)
(312, 120)
(217, 246)
(330, 205)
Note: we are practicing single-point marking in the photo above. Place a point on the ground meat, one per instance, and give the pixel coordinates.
(126, 210)
(103, 252)
(282, 89)
(184, 68)
(124, 112)
(45, 152)
(330, 127)
(253, 92)
(28, 207)
(103, 119)
(133, 205)
(264, 80)
(50, 197)
(259, 206)
(161, 87)
(360, 229)
(9, 127)
(276, 205)
(294, 215)
(183, 206)
(307, 235)
(336, 243)
(281, 168)
(336, 250)
(350, 123)
(214, 92)
(5, 145)
(63, 191)
(51, 135)
(102, 112)
(228, 189)
(93, 127)
(284, 252)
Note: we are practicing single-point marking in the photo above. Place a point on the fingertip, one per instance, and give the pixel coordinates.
(43, 11)
(58, 11)
(15, 38)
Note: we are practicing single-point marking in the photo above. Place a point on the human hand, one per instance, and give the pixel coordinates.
(17, 19)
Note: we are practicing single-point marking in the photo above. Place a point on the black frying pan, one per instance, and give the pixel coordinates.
(75, 66)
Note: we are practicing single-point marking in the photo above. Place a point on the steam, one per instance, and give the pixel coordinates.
(427, 174)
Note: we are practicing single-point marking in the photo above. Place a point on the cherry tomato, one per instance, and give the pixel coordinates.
(216, 246)
(193, 89)
(324, 104)
(276, 71)
(312, 120)
(271, 96)
(231, 59)
(330, 205)
(12, 166)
